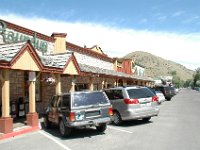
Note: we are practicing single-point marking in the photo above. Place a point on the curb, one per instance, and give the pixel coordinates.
(19, 132)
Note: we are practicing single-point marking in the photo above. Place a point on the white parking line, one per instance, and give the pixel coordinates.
(122, 130)
(54, 140)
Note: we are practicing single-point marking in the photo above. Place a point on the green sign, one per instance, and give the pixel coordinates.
(13, 36)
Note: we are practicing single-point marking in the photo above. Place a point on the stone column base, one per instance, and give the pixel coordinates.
(6, 125)
(32, 119)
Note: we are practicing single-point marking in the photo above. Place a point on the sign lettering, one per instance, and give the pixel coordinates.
(13, 36)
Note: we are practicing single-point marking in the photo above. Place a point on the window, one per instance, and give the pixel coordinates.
(89, 98)
(114, 94)
(81, 87)
(26, 86)
(118, 94)
(109, 93)
(119, 64)
(54, 101)
(66, 101)
(140, 93)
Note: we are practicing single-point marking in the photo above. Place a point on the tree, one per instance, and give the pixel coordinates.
(188, 83)
(196, 77)
(173, 73)
(176, 79)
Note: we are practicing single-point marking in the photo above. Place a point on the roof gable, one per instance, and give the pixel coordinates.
(97, 49)
(89, 52)
(26, 59)
(71, 66)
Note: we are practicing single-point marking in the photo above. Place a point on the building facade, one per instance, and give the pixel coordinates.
(34, 67)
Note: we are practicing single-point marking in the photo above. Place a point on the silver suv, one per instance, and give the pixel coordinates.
(131, 103)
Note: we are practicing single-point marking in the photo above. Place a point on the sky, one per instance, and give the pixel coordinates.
(168, 29)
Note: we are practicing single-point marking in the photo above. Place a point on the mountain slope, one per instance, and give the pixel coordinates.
(156, 66)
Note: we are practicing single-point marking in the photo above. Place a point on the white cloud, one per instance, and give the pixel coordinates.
(178, 13)
(117, 42)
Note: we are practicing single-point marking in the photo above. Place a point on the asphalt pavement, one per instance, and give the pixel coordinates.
(177, 127)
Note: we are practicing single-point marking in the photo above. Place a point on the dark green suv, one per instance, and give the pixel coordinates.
(167, 91)
(78, 109)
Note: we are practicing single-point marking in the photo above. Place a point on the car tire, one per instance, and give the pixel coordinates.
(101, 128)
(117, 120)
(169, 99)
(64, 131)
(146, 119)
(47, 123)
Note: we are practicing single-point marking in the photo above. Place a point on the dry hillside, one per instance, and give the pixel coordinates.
(156, 66)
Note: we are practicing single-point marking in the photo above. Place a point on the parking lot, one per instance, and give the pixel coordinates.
(176, 127)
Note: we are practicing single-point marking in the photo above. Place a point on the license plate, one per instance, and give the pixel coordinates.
(145, 105)
(79, 117)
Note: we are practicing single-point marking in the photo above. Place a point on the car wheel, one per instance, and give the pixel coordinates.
(146, 119)
(117, 120)
(64, 131)
(169, 99)
(101, 128)
(47, 123)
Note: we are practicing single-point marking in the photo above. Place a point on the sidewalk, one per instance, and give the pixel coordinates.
(19, 128)
(19, 131)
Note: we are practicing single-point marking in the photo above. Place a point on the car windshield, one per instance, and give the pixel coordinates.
(158, 92)
(89, 98)
(140, 93)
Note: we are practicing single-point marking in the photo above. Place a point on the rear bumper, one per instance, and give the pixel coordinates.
(140, 113)
(160, 100)
(95, 122)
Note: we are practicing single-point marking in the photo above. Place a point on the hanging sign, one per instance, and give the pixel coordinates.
(32, 76)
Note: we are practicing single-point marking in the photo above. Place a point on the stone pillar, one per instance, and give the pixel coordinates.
(105, 84)
(32, 116)
(58, 84)
(72, 88)
(6, 122)
(124, 83)
(102, 85)
(116, 83)
(32, 97)
(91, 84)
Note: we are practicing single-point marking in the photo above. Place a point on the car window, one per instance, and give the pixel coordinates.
(109, 93)
(172, 88)
(114, 94)
(66, 101)
(117, 94)
(58, 101)
(89, 98)
(158, 92)
(152, 90)
(139, 93)
(54, 101)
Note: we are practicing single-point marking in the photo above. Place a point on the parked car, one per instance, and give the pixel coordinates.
(78, 110)
(167, 91)
(161, 97)
(131, 103)
(173, 90)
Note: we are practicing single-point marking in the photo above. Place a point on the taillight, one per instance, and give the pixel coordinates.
(72, 116)
(131, 101)
(154, 98)
(110, 111)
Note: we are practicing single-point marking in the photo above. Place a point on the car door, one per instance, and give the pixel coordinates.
(116, 98)
(53, 113)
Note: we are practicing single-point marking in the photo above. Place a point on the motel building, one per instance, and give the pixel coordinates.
(34, 67)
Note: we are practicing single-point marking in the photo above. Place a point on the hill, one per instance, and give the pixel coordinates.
(156, 66)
